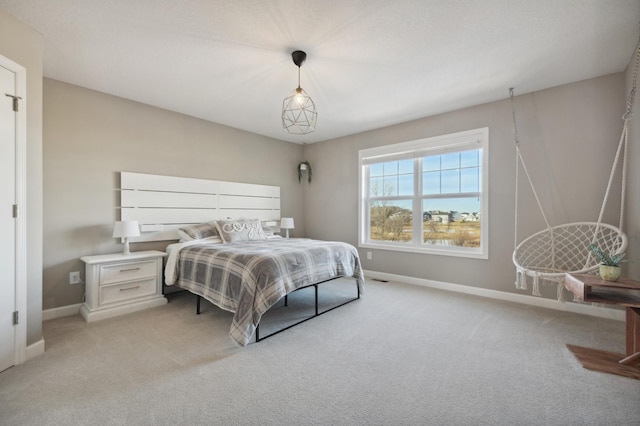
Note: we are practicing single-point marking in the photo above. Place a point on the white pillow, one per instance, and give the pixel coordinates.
(268, 231)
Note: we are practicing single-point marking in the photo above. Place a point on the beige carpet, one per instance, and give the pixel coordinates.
(402, 355)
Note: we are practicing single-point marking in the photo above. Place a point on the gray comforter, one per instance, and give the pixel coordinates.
(247, 278)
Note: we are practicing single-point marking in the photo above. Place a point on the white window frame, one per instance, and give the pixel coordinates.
(455, 142)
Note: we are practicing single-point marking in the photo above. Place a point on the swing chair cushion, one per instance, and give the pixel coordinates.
(552, 252)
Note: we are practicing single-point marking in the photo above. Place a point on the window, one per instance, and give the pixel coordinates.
(429, 195)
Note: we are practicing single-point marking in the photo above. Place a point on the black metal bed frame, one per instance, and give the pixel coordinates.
(286, 303)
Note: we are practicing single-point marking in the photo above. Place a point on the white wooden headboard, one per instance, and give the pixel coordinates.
(162, 204)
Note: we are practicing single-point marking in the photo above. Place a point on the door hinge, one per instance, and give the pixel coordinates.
(16, 318)
(15, 101)
(15, 211)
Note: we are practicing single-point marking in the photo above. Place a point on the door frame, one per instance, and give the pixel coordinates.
(20, 335)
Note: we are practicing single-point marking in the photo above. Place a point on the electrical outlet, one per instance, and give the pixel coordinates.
(369, 256)
(74, 277)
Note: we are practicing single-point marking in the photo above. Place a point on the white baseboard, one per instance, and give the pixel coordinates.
(62, 311)
(580, 308)
(35, 349)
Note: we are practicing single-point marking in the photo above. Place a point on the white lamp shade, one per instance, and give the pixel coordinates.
(126, 228)
(286, 223)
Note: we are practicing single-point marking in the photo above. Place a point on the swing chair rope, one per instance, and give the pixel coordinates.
(632, 93)
(550, 230)
(520, 160)
(622, 145)
(622, 148)
(521, 277)
(627, 116)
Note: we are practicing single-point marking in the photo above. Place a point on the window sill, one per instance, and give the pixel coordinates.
(456, 252)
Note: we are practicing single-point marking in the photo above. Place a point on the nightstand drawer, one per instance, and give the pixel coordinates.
(127, 271)
(127, 291)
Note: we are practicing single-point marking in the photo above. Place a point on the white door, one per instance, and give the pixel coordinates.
(7, 221)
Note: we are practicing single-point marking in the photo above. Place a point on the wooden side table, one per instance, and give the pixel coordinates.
(624, 292)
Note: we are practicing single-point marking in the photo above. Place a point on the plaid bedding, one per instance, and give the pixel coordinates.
(249, 277)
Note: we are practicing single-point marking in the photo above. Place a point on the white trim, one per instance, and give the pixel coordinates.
(578, 308)
(62, 311)
(444, 251)
(21, 201)
(35, 349)
(435, 142)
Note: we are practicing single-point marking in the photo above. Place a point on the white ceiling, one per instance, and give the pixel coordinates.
(370, 64)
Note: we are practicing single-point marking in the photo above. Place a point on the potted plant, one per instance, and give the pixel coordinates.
(304, 166)
(609, 263)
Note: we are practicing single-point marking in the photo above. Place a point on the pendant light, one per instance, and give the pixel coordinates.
(298, 110)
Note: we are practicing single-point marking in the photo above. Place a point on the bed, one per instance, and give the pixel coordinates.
(247, 277)
(237, 264)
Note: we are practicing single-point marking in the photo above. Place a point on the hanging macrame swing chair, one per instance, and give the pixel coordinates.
(545, 257)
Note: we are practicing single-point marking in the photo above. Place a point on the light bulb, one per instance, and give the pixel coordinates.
(299, 97)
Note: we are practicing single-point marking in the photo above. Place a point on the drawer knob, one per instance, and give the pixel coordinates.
(129, 288)
(130, 269)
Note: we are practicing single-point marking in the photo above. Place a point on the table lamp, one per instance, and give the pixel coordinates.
(125, 229)
(286, 223)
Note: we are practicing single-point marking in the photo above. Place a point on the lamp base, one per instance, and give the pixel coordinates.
(126, 250)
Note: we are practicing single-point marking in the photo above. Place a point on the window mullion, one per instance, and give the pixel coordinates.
(459, 172)
(417, 203)
(366, 203)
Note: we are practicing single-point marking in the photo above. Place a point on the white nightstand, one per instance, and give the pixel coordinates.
(117, 284)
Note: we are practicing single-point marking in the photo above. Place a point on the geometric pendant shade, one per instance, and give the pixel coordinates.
(299, 113)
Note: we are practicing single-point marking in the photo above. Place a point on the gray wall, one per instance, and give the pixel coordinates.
(568, 135)
(23, 45)
(89, 137)
(632, 211)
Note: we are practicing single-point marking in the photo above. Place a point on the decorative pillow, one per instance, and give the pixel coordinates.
(198, 232)
(268, 231)
(240, 230)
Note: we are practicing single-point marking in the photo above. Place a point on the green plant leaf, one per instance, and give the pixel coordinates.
(606, 259)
